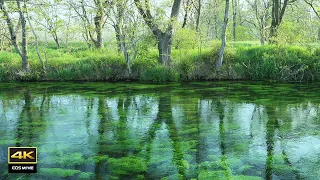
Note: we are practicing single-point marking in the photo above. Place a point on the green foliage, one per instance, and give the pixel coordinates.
(290, 33)
(160, 74)
(68, 160)
(185, 39)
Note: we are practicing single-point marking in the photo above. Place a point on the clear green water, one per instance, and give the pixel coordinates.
(207, 130)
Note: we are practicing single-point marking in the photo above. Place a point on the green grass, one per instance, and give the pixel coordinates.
(242, 60)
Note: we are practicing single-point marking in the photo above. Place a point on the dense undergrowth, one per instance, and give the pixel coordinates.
(270, 62)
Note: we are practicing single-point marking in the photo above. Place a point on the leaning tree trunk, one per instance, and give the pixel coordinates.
(187, 9)
(56, 39)
(164, 47)
(35, 36)
(13, 36)
(24, 54)
(224, 38)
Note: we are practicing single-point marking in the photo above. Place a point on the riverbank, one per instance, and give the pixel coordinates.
(270, 62)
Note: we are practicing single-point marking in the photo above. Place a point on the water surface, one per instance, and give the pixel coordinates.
(207, 130)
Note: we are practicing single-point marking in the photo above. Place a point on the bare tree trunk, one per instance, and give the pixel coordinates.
(98, 24)
(1, 43)
(117, 30)
(277, 15)
(164, 47)
(35, 36)
(234, 18)
(56, 39)
(123, 47)
(262, 38)
(68, 28)
(98, 42)
(224, 38)
(23, 53)
(216, 26)
(262, 31)
(198, 15)
(25, 64)
(95, 35)
(187, 9)
(126, 55)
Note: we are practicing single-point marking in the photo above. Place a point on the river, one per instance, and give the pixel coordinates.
(200, 130)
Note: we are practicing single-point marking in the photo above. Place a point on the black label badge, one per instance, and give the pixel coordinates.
(22, 159)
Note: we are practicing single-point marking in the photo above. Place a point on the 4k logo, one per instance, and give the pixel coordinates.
(22, 155)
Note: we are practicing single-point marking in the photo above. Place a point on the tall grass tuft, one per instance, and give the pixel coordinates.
(160, 74)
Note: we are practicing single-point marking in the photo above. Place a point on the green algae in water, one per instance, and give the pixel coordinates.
(70, 159)
(86, 175)
(127, 165)
(58, 172)
(209, 130)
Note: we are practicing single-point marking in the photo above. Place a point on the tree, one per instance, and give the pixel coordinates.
(311, 4)
(35, 36)
(13, 34)
(261, 15)
(164, 38)
(192, 8)
(234, 18)
(278, 10)
(224, 38)
(48, 17)
(212, 11)
(93, 26)
(3, 35)
(125, 23)
(187, 7)
(198, 8)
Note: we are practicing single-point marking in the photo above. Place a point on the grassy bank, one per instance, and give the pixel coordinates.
(271, 62)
